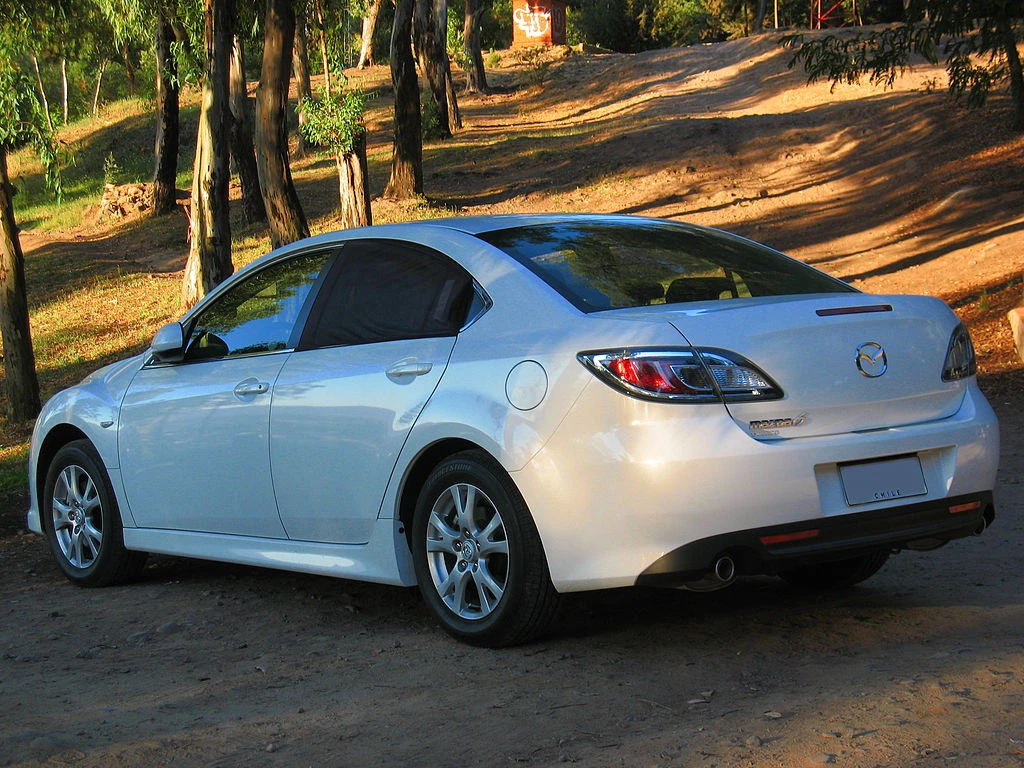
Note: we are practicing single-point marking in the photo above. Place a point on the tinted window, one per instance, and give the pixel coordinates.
(608, 266)
(259, 315)
(384, 290)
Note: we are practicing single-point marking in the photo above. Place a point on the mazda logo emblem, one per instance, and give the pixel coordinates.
(871, 360)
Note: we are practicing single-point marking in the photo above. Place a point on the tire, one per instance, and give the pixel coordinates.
(479, 560)
(82, 522)
(837, 575)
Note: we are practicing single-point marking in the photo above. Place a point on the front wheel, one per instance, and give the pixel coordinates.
(479, 559)
(82, 522)
(837, 575)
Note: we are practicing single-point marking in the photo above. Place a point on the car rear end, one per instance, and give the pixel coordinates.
(770, 431)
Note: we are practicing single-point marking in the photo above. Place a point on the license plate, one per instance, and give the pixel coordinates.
(887, 480)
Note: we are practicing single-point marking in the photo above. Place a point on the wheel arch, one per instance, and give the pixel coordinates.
(59, 436)
(418, 472)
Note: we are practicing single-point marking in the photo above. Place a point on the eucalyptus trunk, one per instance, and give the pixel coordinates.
(1014, 70)
(242, 148)
(318, 7)
(302, 78)
(165, 170)
(284, 212)
(22, 387)
(354, 186)
(96, 93)
(430, 51)
(476, 76)
(366, 52)
(407, 158)
(209, 258)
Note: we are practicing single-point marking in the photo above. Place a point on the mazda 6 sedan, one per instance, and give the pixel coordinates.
(502, 410)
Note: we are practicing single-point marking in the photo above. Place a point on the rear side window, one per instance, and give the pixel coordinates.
(609, 266)
(385, 290)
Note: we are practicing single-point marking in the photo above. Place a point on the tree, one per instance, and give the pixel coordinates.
(407, 156)
(21, 121)
(476, 76)
(366, 52)
(300, 63)
(165, 150)
(242, 147)
(284, 212)
(978, 39)
(336, 122)
(209, 258)
(430, 30)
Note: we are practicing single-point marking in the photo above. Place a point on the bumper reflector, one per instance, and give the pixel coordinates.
(969, 507)
(785, 538)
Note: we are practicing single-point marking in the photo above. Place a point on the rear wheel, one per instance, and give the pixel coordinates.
(479, 559)
(82, 522)
(837, 575)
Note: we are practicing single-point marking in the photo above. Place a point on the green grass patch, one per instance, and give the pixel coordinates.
(116, 147)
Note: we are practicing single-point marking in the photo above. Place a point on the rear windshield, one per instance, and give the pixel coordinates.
(601, 266)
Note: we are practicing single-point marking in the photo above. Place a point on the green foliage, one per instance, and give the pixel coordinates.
(111, 170)
(496, 25)
(334, 121)
(430, 117)
(455, 42)
(493, 59)
(978, 40)
(684, 22)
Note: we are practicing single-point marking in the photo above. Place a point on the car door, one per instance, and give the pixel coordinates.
(376, 344)
(194, 441)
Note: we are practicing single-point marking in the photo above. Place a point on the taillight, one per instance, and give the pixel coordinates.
(687, 375)
(960, 360)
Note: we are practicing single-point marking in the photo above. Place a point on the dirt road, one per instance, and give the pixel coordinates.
(212, 665)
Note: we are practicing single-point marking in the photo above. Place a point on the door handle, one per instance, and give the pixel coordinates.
(406, 369)
(251, 387)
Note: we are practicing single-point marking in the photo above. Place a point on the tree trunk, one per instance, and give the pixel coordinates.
(22, 386)
(323, 47)
(165, 172)
(209, 258)
(354, 186)
(1014, 70)
(42, 93)
(284, 212)
(64, 88)
(429, 51)
(476, 77)
(407, 157)
(440, 12)
(241, 138)
(366, 53)
(96, 93)
(129, 70)
(762, 8)
(300, 64)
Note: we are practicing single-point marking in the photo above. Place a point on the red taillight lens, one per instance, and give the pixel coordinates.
(649, 375)
(690, 375)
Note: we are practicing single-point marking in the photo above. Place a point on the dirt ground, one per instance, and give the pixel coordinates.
(203, 664)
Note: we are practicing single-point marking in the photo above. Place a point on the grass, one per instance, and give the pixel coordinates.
(117, 146)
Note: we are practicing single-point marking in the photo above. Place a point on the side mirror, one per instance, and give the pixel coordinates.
(169, 344)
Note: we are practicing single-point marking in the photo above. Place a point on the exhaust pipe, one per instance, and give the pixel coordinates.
(982, 525)
(725, 569)
(722, 574)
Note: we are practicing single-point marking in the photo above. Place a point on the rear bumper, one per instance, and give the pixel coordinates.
(776, 548)
(612, 504)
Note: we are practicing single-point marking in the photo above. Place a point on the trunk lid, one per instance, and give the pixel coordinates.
(846, 363)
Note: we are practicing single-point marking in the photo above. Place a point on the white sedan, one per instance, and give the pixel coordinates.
(504, 409)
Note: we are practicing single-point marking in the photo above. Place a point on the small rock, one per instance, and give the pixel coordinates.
(826, 759)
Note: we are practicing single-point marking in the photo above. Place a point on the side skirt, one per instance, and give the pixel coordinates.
(384, 559)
